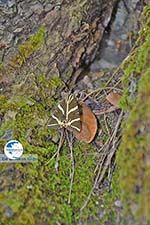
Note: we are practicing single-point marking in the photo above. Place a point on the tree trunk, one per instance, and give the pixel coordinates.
(72, 32)
(44, 45)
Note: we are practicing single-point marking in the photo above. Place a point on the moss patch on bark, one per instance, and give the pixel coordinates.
(133, 156)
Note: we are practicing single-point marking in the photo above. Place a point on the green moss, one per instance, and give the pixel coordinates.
(137, 62)
(39, 195)
(47, 88)
(108, 199)
(133, 155)
(130, 183)
(46, 200)
(33, 192)
(29, 47)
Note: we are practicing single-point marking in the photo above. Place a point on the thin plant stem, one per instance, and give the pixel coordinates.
(101, 172)
(73, 165)
(59, 146)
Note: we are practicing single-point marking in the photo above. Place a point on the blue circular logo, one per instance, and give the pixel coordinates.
(13, 149)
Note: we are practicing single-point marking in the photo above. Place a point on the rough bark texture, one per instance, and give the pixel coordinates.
(72, 31)
(43, 44)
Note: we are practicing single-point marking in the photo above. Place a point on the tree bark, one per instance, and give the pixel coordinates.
(73, 32)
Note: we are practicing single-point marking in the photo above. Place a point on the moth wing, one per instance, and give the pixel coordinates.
(74, 115)
(57, 116)
(88, 124)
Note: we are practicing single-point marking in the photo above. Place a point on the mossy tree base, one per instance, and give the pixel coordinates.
(66, 38)
(133, 157)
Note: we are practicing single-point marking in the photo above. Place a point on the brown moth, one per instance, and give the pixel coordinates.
(76, 117)
(66, 115)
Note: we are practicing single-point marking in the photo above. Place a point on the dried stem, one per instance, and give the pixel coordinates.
(105, 158)
(105, 87)
(61, 141)
(58, 150)
(106, 124)
(73, 164)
